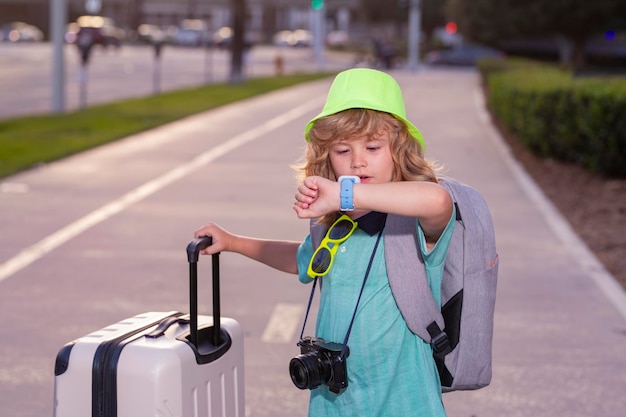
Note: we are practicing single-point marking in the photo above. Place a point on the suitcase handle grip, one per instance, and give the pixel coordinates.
(195, 246)
(193, 252)
(166, 324)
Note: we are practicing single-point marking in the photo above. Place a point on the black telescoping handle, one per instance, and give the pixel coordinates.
(193, 253)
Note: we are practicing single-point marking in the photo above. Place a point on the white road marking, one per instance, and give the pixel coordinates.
(283, 323)
(34, 252)
(14, 188)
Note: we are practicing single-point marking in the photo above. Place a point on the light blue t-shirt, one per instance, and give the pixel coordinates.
(391, 371)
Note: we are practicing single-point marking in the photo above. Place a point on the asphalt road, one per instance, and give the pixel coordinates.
(108, 231)
(131, 71)
(274, 307)
(100, 236)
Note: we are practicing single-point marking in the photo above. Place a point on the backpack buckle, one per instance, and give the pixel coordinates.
(441, 344)
(439, 340)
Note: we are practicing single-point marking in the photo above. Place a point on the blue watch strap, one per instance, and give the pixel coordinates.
(347, 192)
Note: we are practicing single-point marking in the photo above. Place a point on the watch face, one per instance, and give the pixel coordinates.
(352, 178)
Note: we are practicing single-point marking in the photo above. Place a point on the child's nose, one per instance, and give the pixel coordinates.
(358, 163)
(357, 160)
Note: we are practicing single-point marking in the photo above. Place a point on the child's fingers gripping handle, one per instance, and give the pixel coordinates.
(193, 251)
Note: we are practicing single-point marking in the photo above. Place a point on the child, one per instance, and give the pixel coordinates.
(362, 133)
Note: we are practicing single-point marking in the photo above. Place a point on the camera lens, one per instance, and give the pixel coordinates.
(307, 371)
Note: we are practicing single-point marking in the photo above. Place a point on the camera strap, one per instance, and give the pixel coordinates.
(367, 272)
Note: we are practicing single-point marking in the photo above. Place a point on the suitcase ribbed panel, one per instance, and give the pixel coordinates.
(157, 376)
(73, 386)
(161, 377)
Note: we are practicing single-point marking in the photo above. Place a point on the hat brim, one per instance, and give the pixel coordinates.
(413, 131)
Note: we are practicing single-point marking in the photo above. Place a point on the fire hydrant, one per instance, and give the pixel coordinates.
(279, 64)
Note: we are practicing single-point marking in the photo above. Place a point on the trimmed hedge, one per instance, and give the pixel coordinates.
(579, 120)
(28, 141)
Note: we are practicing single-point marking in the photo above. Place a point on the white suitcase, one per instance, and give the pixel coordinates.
(156, 364)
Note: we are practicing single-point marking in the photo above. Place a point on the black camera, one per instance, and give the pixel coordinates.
(320, 362)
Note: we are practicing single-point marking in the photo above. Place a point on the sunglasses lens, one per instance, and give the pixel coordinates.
(340, 230)
(323, 256)
(321, 261)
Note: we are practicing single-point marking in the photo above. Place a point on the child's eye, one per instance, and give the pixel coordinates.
(373, 148)
(341, 151)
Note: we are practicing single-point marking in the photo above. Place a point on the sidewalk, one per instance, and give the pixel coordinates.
(560, 331)
(560, 335)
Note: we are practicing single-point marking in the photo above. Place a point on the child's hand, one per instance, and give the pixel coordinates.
(315, 197)
(221, 238)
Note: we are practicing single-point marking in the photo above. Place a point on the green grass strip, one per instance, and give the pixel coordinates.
(29, 141)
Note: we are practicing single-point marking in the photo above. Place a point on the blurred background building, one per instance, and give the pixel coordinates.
(457, 32)
(264, 18)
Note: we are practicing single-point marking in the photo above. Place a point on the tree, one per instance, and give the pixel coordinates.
(433, 15)
(377, 11)
(573, 21)
(237, 44)
(485, 21)
(577, 20)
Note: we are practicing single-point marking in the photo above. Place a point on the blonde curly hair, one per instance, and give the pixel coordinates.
(407, 154)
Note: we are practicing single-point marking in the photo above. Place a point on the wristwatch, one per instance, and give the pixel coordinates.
(346, 195)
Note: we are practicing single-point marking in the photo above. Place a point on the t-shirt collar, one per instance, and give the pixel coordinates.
(372, 222)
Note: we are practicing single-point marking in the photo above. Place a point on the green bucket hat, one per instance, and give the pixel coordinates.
(364, 88)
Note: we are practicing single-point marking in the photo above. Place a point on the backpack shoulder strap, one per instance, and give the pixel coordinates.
(473, 214)
(408, 281)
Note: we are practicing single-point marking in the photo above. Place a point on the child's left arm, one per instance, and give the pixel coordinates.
(427, 201)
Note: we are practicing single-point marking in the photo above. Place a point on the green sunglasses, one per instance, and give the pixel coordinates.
(322, 258)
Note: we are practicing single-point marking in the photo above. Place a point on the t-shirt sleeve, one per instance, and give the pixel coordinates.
(434, 259)
(437, 255)
(305, 252)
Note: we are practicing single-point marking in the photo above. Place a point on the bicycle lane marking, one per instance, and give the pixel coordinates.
(51, 242)
(283, 323)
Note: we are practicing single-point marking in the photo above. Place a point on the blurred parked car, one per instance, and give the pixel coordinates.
(192, 32)
(100, 30)
(299, 37)
(20, 32)
(71, 31)
(147, 33)
(465, 55)
(303, 37)
(282, 38)
(189, 37)
(337, 39)
(223, 38)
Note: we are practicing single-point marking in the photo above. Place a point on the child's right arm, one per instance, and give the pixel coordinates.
(278, 254)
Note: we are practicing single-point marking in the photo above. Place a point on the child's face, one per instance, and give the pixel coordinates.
(363, 156)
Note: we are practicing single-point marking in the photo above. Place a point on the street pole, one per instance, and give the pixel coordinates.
(318, 22)
(58, 22)
(414, 34)
(156, 68)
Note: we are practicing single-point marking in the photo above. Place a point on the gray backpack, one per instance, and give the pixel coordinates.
(461, 331)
